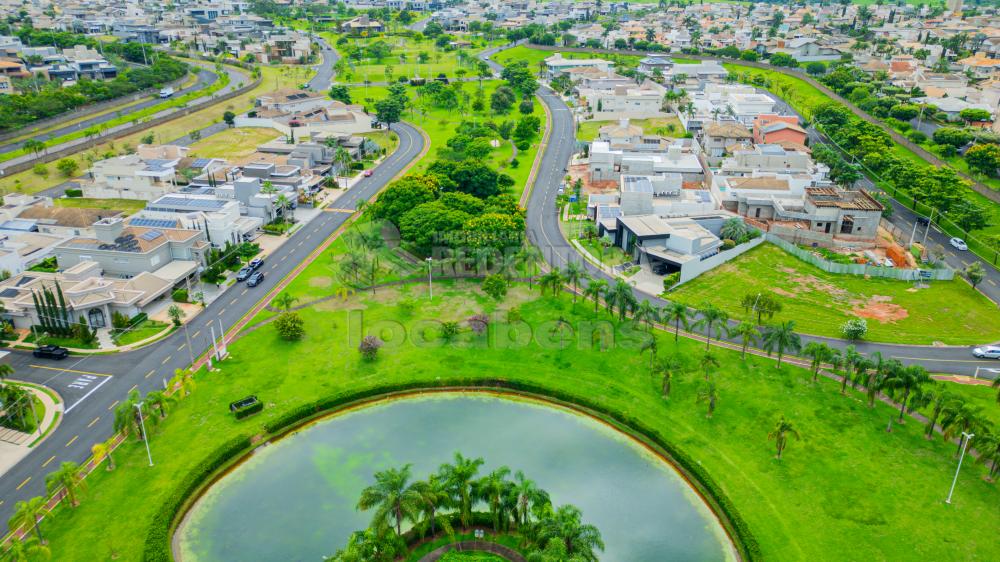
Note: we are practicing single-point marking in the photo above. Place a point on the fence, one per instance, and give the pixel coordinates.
(861, 269)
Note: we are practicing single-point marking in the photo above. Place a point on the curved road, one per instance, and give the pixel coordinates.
(205, 78)
(544, 232)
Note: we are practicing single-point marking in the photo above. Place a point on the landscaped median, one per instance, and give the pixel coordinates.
(847, 490)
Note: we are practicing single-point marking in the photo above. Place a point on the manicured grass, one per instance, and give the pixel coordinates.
(799, 94)
(509, 541)
(60, 341)
(235, 143)
(587, 130)
(534, 57)
(848, 490)
(145, 329)
(405, 59)
(819, 302)
(127, 206)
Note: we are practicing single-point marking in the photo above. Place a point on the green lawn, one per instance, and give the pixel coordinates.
(847, 490)
(587, 130)
(404, 59)
(235, 143)
(145, 329)
(819, 302)
(127, 206)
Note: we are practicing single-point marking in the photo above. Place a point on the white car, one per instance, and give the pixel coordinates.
(987, 352)
(959, 244)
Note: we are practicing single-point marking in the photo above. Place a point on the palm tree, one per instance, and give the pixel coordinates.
(528, 495)
(566, 525)
(129, 414)
(491, 488)
(101, 451)
(711, 315)
(959, 420)
(529, 256)
(434, 496)
(677, 313)
(68, 478)
(989, 451)
(183, 382)
(459, 476)
(836, 361)
(820, 353)
(26, 513)
(620, 295)
(781, 337)
(851, 359)
(996, 384)
(941, 401)
(23, 550)
(780, 434)
(392, 496)
(160, 401)
(667, 376)
(747, 333)
(551, 281)
(710, 394)
(594, 290)
(652, 347)
(284, 301)
(5, 371)
(342, 161)
(646, 312)
(707, 363)
(907, 380)
(574, 274)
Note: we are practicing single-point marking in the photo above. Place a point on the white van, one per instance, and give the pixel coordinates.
(166, 92)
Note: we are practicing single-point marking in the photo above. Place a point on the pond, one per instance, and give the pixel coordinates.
(295, 499)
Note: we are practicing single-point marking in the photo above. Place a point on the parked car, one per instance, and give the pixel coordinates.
(255, 263)
(987, 352)
(51, 352)
(256, 279)
(368, 173)
(242, 274)
(889, 263)
(959, 244)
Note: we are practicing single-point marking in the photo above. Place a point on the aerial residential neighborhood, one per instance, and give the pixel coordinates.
(542, 280)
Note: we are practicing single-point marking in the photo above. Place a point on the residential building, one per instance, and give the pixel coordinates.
(134, 176)
(361, 24)
(557, 64)
(219, 218)
(722, 137)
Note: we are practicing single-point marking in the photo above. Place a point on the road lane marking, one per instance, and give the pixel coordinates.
(150, 373)
(22, 484)
(91, 424)
(46, 463)
(71, 441)
(165, 359)
(991, 282)
(113, 405)
(134, 386)
(194, 335)
(69, 370)
(232, 302)
(180, 347)
(221, 312)
(244, 292)
(946, 360)
(87, 395)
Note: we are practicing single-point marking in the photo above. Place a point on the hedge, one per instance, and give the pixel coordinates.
(157, 547)
(74, 193)
(180, 295)
(249, 410)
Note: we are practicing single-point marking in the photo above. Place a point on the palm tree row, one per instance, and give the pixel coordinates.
(513, 504)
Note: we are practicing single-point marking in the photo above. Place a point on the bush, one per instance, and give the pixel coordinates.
(495, 286)
(855, 328)
(40, 170)
(290, 326)
(728, 244)
(369, 347)
(74, 193)
(180, 295)
(515, 163)
(523, 145)
(671, 280)
(248, 410)
(357, 165)
(916, 136)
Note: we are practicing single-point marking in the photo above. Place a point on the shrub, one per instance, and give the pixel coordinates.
(523, 145)
(290, 326)
(67, 167)
(916, 136)
(40, 170)
(74, 193)
(369, 347)
(478, 323)
(248, 410)
(855, 328)
(515, 163)
(449, 330)
(180, 295)
(357, 165)
(495, 286)
(513, 314)
(670, 280)
(728, 244)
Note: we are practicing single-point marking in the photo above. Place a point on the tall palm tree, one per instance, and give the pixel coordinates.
(459, 476)
(996, 384)
(781, 337)
(707, 363)
(646, 312)
(595, 289)
(530, 256)
(5, 371)
(747, 333)
(675, 313)
(491, 489)
(819, 353)
(129, 414)
(26, 513)
(780, 434)
(941, 402)
(528, 495)
(67, 477)
(552, 281)
(711, 315)
(434, 495)
(574, 274)
(651, 346)
(851, 360)
(160, 401)
(961, 419)
(836, 361)
(26, 549)
(989, 451)
(393, 497)
(620, 295)
(708, 393)
(582, 541)
(907, 380)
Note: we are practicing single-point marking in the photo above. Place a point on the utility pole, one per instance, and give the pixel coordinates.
(145, 436)
(430, 280)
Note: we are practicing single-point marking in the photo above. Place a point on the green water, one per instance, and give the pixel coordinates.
(295, 500)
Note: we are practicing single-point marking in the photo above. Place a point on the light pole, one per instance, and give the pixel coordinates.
(188, 338)
(430, 279)
(145, 436)
(968, 437)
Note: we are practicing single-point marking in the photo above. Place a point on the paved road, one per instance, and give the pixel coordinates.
(205, 78)
(91, 386)
(324, 71)
(544, 232)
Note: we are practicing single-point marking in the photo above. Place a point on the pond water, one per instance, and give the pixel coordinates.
(295, 500)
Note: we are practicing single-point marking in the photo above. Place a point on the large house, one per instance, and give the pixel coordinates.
(557, 64)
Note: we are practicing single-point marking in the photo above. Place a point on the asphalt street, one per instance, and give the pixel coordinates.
(205, 79)
(91, 386)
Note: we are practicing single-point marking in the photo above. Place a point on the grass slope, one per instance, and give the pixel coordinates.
(819, 302)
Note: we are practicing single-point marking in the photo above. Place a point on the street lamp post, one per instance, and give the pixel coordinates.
(145, 436)
(968, 437)
(430, 278)
(188, 338)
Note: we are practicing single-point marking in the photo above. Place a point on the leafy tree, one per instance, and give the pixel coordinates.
(984, 158)
(975, 273)
(495, 286)
(816, 68)
(502, 99)
(229, 118)
(405, 194)
(969, 215)
(341, 93)
(176, 314)
(782, 430)
(904, 111)
(290, 326)
(101, 451)
(973, 115)
(389, 110)
(952, 136)
(854, 329)
(67, 167)
(783, 59)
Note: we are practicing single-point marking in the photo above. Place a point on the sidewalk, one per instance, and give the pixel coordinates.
(14, 449)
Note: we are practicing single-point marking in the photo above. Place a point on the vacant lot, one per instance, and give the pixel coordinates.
(234, 144)
(948, 311)
(663, 126)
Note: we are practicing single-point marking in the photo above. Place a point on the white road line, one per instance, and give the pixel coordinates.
(70, 409)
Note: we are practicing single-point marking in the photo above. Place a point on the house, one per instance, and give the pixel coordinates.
(651, 63)
(219, 218)
(783, 130)
(807, 49)
(361, 25)
(309, 112)
(23, 250)
(12, 69)
(606, 163)
(668, 245)
(719, 137)
(6, 85)
(630, 102)
(65, 222)
(557, 64)
(980, 65)
(772, 159)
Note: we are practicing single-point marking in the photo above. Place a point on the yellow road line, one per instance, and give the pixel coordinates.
(150, 373)
(71, 441)
(113, 405)
(134, 386)
(46, 463)
(22, 484)
(91, 424)
(69, 370)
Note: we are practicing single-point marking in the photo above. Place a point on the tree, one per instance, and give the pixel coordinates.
(528, 495)
(341, 93)
(495, 286)
(975, 273)
(33, 146)
(675, 313)
(284, 301)
(26, 513)
(984, 158)
(711, 315)
(907, 380)
(195, 135)
(764, 304)
(961, 419)
(491, 489)
(26, 549)
(67, 167)
(747, 333)
(580, 540)
(974, 115)
(129, 414)
(709, 394)
(392, 497)
(734, 229)
(854, 329)
(780, 434)
(620, 295)
(952, 136)
(904, 111)
(389, 111)
(101, 451)
(941, 401)
(595, 289)
(459, 476)
(433, 496)
(176, 314)
(551, 281)
(646, 312)
(67, 478)
(816, 68)
(573, 274)
(819, 353)
(969, 215)
(229, 117)
(502, 99)
(160, 401)
(779, 338)
(183, 382)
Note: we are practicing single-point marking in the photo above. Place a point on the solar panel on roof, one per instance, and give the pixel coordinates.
(151, 235)
(200, 162)
(153, 223)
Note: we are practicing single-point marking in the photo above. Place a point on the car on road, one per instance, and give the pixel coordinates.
(256, 279)
(959, 244)
(987, 352)
(368, 173)
(923, 221)
(255, 263)
(244, 273)
(51, 352)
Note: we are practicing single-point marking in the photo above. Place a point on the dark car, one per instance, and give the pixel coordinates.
(255, 263)
(242, 274)
(923, 221)
(256, 279)
(51, 352)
